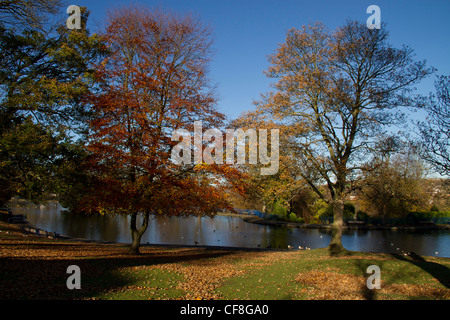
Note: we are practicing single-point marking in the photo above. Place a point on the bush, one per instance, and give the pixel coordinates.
(430, 214)
(361, 215)
(434, 208)
(417, 216)
(413, 218)
(327, 210)
(442, 214)
(293, 217)
(349, 210)
(280, 211)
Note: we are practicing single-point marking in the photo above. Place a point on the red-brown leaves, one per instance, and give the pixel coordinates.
(154, 82)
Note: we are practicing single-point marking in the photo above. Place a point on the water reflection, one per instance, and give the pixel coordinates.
(231, 231)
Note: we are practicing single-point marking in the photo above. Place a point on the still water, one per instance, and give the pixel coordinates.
(230, 231)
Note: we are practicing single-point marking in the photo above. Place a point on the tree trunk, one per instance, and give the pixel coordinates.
(336, 246)
(136, 234)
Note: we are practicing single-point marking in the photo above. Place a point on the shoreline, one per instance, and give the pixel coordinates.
(258, 220)
(26, 228)
(42, 234)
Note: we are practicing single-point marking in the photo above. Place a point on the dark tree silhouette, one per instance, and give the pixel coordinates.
(435, 131)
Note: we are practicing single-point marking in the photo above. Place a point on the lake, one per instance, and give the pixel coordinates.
(230, 231)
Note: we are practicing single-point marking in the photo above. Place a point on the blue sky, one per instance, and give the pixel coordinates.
(246, 32)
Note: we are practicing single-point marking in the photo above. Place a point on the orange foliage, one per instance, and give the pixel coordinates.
(154, 82)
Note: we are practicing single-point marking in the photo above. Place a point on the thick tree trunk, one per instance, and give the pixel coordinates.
(336, 246)
(136, 234)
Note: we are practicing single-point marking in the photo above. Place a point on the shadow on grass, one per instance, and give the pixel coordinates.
(436, 270)
(362, 265)
(45, 278)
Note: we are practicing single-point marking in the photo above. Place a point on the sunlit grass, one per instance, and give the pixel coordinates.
(35, 268)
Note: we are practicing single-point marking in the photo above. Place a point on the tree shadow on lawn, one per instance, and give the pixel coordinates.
(438, 271)
(42, 278)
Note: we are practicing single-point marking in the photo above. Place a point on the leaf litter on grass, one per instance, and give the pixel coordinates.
(196, 273)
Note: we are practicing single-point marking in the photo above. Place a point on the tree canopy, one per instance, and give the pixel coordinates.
(43, 75)
(89, 118)
(154, 82)
(435, 131)
(334, 94)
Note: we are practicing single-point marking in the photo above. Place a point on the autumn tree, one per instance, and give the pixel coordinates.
(284, 187)
(335, 92)
(393, 183)
(44, 72)
(28, 14)
(154, 82)
(435, 131)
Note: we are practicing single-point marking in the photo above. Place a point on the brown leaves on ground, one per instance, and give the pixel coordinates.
(418, 291)
(33, 267)
(330, 285)
(321, 285)
(202, 278)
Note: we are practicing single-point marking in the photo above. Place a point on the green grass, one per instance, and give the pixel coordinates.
(35, 268)
(141, 285)
(278, 280)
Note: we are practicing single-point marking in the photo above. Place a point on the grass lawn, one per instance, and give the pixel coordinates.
(33, 267)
